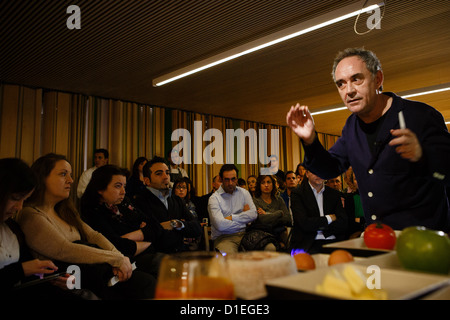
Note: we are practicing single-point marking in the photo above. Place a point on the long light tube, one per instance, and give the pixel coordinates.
(425, 92)
(280, 36)
(408, 94)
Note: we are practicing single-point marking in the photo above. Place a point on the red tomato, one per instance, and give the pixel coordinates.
(379, 236)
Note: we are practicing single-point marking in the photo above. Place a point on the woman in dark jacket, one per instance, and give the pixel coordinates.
(107, 210)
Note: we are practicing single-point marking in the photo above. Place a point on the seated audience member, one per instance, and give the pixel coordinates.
(274, 166)
(17, 265)
(158, 201)
(106, 209)
(335, 183)
(353, 206)
(176, 171)
(251, 182)
(54, 230)
(184, 188)
(135, 183)
(242, 183)
(280, 184)
(291, 184)
(230, 209)
(201, 203)
(101, 157)
(300, 173)
(273, 215)
(318, 215)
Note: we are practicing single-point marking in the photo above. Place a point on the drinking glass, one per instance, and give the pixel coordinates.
(194, 275)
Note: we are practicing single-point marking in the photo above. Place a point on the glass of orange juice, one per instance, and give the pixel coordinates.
(194, 275)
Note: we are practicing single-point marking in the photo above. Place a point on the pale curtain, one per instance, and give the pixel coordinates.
(37, 121)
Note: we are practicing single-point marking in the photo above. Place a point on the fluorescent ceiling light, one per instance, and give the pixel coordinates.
(280, 36)
(329, 110)
(425, 92)
(405, 95)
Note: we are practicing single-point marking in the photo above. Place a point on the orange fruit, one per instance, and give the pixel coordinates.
(304, 261)
(340, 256)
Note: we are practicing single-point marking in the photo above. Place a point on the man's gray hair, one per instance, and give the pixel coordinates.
(373, 64)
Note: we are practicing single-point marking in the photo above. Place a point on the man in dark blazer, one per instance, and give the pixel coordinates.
(399, 149)
(201, 203)
(157, 200)
(319, 217)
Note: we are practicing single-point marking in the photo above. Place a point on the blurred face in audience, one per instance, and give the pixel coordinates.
(59, 182)
(175, 158)
(335, 183)
(291, 181)
(100, 160)
(115, 191)
(251, 182)
(14, 204)
(314, 180)
(266, 186)
(300, 174)
(229, 181)
(181, 189)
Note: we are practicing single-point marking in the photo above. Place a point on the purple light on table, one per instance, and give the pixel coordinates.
(297, 251)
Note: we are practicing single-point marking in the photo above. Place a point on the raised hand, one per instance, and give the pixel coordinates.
(302, 123)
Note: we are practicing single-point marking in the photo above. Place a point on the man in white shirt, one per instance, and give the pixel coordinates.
(230, 209)
(101, 157)
(319, 217)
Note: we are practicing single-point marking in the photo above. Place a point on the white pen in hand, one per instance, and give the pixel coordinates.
(401, 120)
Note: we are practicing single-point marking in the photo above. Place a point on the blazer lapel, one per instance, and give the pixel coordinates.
(309, 199)
(154, 201)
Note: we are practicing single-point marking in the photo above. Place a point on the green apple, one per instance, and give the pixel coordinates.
(422, 249)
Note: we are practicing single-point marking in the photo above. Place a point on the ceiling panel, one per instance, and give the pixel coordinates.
(123, 45)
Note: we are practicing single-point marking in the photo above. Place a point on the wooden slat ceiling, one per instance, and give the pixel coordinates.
(123, 45)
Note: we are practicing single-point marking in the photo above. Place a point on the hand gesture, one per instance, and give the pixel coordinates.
(302, 123)
(408, 146)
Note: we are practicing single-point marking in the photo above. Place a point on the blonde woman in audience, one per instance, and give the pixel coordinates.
(54, 230)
